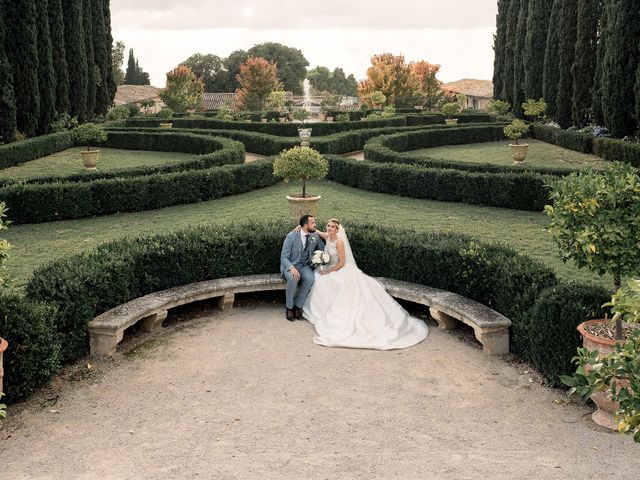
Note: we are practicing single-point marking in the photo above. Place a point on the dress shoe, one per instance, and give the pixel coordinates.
(291, 316)
(297, 311)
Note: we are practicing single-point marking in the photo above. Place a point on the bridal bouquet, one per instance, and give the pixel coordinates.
(320, 258)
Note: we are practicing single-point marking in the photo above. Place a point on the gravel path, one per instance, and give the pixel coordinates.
(247, 395)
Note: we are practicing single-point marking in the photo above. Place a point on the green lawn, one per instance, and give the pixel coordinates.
(69, 162)
(40, 243)
(540, 154)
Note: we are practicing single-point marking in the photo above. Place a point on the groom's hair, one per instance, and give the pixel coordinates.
(305, 219)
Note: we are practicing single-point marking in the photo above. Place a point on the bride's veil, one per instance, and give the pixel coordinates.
(349, 260)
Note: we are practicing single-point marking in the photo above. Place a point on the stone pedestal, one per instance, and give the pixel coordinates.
(153, 323)
(226, 302)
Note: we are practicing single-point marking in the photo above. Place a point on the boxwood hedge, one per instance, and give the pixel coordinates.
(32, 148)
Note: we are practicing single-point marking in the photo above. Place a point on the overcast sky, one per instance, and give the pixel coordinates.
(457, 34)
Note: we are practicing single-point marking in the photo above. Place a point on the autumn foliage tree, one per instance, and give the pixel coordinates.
(184, 90)
(390, 75)
(429, 89)
(257, 79)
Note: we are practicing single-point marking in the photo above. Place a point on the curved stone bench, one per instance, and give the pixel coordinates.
(106, 330)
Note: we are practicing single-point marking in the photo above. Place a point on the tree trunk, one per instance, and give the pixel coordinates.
(616, 284)
(304, 188)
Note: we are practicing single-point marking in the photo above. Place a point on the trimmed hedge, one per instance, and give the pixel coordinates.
(32, 148)
(36, 203)
(519, 191)
(577, 141)
(617, 150)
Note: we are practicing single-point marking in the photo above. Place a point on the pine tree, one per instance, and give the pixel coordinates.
(7, 96)
(131, 75)
(509, 51)
(584, 67)
(112, 86)
(499, 40)
(620, 63)
(87, 23)
(566, 57)
(100, 47)
(596, 98)
(23, 57)
(76, 58)
(518, 60)
(535, 45)
(56, 29)
(550, 75)
(46, 74)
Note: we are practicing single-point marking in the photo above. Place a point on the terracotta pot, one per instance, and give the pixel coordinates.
(3, 346)
(451, 121)
(603, 416)
(519, 153)
(90, 158)
(299, 206)
(166, 125)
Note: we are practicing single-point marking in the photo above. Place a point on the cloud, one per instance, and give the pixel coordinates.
(375, 15)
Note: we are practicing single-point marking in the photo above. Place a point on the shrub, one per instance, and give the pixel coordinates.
(534, 109)
(27, 150)
(515, 130)
(450, 109)
(89, 134)
(342, 117)
(165, 112)
(577, 141)
(301, 115)
(616, 150)
(119, 112)
(301, 163)
(499, 107)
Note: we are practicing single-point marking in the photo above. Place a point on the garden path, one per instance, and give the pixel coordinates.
(246, 394)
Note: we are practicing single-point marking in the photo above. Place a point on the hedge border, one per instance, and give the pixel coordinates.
(33, 148)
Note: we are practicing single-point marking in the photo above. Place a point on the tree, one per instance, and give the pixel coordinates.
(518, 60)
(320, 79)
(112, 86)
(23, 57)
(7, 96)
(535, 45)
(596, 98)
(499, 46)
(184, 91)
(210, 68)
(584, 66)
(76, 58)
(550, 75)
(290, 62)
(58, 56)
(336, 82)
(101, 48)
(135, 75)
(46, 74)
(509, 51)
(117, 57)
(620, 63)
(87, 23)
(390, 75)
(566, 57)
(257, 79)
(232, 65)
(428, 85)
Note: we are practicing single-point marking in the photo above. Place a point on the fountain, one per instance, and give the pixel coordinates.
(305, 133)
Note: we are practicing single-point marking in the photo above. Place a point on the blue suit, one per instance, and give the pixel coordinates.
(295, 255)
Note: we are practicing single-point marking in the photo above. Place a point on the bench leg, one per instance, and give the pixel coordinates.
(445, 322)
(494, 343)
(103, 344)
(153, 323)
(226, 302)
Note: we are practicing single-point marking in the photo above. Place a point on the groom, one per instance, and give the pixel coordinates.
(295, 264)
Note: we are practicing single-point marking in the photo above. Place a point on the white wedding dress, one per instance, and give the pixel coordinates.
(350, 309)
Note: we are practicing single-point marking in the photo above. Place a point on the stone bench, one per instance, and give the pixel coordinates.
(107, 330)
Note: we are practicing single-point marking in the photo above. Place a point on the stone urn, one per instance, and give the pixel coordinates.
(329, 119)
(451, 121)
(603, 415)
(282, 119)
(519, 153)
(3, 346)
(418, 107)
(166, 125)
(90, 159)
(299, 206)
(305, 135)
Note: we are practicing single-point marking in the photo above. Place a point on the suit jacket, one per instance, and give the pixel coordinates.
(292, 250)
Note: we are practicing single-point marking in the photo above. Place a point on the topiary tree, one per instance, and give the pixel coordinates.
(516, 130)
(450, 109)
(301, 114)
(88, 134)
(534, 109)
(301, 163)
(499, 107)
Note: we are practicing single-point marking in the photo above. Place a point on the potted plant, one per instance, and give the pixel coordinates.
(263, 117)
(166, 114)
(5, 246)
(342, 117)
(449, 110)
(514, 131)
(89, 134)
(534, 109)
(304, 133)
(301, 163)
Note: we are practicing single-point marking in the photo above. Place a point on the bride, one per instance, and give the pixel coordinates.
(350, 309)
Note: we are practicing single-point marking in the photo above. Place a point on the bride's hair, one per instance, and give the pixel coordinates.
(334, 221)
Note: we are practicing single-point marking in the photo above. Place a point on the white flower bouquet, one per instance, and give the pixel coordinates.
(320, 258)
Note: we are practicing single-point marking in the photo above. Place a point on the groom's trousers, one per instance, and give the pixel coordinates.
(297, 291)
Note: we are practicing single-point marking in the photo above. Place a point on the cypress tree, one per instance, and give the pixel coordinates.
(518, 60)
(131, 75)
(566, 57)
(509, 51)
(535, 45)
(550, 75)
(23, 57)
(111, 81)
(499, 40)
(46, 74)
(596, 99)
(56, 29)
(76, 59)
(637, 93)
(7, 96)
(87, 23)
(620, 63)
(584, 67)
(100, 48)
